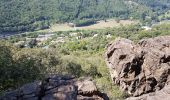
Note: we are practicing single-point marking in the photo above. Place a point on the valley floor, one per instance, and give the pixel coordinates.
(110, 23)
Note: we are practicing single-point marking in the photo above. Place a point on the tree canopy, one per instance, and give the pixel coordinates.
(30, 15)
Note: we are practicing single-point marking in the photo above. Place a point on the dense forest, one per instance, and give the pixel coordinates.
(30, 15)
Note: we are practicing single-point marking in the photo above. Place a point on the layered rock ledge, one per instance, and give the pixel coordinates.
(140, 68)
(57, 87)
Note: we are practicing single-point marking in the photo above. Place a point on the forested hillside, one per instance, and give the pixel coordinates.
(30, 15)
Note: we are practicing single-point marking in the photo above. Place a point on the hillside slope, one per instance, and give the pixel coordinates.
(26, 15)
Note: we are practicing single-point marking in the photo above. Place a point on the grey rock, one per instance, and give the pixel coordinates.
(57, 87)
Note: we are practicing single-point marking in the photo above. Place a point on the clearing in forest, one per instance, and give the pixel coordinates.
(110, 23)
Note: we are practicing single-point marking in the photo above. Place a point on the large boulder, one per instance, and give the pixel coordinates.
(57, 87)
(139, 68)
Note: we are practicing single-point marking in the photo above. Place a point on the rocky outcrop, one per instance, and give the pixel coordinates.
(140, 68)
(163, 94)
(57, 88)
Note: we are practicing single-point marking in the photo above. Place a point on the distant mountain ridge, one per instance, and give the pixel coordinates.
(26, 15)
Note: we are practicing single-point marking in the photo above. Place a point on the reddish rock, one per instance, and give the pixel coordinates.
(139, 68)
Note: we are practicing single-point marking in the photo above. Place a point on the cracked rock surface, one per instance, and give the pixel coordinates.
(140, 68)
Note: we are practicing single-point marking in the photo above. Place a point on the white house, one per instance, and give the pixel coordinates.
(146, 28)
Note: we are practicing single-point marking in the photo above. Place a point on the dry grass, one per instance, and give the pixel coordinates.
(110, 23)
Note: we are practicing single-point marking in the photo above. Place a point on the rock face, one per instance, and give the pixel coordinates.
(57, 88)
(140, 68)
(163, 94)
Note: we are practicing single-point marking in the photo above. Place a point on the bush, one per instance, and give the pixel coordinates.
(74, 69)
(81, 23)
(20, 66)
(6, 68)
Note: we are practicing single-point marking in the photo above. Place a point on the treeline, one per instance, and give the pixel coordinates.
(26, 15)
